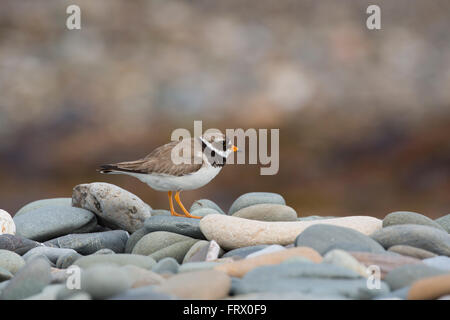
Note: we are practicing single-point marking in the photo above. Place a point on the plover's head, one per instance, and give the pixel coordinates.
(218, 143)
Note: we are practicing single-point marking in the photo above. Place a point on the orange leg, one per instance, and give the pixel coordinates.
(177, 199)
(172, 211)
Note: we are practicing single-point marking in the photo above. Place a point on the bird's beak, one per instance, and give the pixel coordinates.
(234, 148)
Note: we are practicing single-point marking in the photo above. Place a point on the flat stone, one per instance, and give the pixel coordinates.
(19, 245)
(134, 238)
(116, 207)
(11, 261)
(205, 204)
(49, 222)
(430, 288)
(5, 275)
(142, 293)
(104, 251)
(197, 252)
(407, 274)
(203, 212)
(7, 225)
(50, 292)
(337, 237)
(177, 250)
(444, 222)
(205, 284)
(180, 225)
(245, 232)
(412, 251)
(310, 278)
(166, 266)
(344, 259)
(65, 202)
(251, 198)
(408, 217)
(440, 262)
(270, 249)
(142, 277)
(241, 267)
(88, 243)
(244, 251)
(28, 281)
(51, 253)
(104, 281)
(267, 212)
(197, 266)
(154, 243)
(423, 237)
(119, 259)
(385, 261)
(66, 260)
(160, 212)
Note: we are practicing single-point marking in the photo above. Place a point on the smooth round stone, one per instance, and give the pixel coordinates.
(88, 243)
(408, 217)
(104, 281)
(66, 260)
(205, 204)
(11, 261)
(120, 259)
(49, 222)
(252, 198)
(345, 260)
(116, 207)
(440, 262)
(336, 238)
(19, 245)
(28, 281)
(166, 265)
(267, 212)
(198, 251)
(423, 237)
(5, 275)
(309, 278)
(205, 284)
(430, 288)
(142, 293)
(412, 252)
(197, 266)
(51, 253)
(241, 267)
(203, 251)
(161, 244)
(203, 212)
(180, 225)
(7, 225)
(270, 249)
(385, 261)
(405, 275)
(104, 251)
(50, 292)
(65, 202)
(444, 222)
(134, 238)
(177, 250)
(160, 212)
(244, 251)
(312, 218)
(141, 277)
(246, 232)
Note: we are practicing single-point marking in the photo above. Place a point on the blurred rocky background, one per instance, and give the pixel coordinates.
(364, 116)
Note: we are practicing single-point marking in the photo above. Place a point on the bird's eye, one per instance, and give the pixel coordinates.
(213, 153)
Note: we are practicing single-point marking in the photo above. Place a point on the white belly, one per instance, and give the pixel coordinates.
(163, 182)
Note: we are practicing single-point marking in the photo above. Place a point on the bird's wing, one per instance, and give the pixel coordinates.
(160, 161)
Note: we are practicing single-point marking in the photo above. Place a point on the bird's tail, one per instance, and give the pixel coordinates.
(108, 168)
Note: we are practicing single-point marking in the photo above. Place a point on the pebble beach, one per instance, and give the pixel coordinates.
(106, 243)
